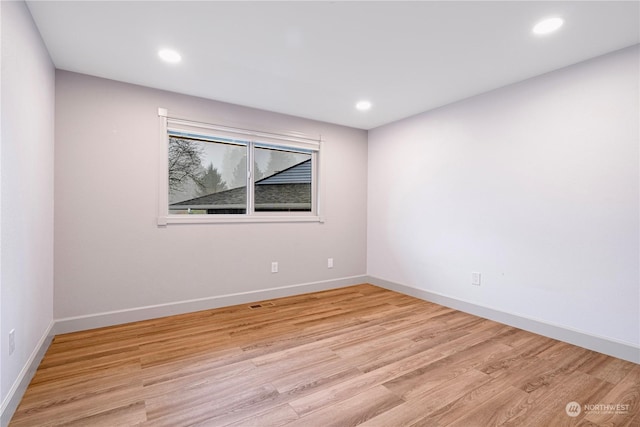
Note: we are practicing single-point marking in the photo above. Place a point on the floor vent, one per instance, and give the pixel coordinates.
(261, 305)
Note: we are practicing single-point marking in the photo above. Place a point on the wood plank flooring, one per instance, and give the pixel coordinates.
(359, 355)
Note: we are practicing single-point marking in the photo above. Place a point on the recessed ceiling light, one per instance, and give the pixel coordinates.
(169, 55)
(363, 105)
(547, 26)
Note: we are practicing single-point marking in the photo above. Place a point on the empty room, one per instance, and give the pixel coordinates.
(320, 213)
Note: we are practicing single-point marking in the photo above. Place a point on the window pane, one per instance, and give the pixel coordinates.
(207, 177)
(282, 181)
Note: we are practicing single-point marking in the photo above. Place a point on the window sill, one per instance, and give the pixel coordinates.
(222, 219)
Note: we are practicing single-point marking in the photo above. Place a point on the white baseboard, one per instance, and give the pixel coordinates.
(611, 347)
(99, 320)
(12, 400)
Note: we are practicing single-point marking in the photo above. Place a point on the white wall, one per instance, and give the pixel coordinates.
(111, 255)
(535, 185)
(27, 118)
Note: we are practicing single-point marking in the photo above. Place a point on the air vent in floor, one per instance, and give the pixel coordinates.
(261, 305)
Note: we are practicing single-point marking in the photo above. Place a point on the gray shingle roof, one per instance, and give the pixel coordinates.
(289, 189)
(236, 197)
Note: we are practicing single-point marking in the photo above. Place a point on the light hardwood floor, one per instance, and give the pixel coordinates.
(360, 355)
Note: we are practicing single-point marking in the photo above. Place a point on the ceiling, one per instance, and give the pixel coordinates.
(317, 59)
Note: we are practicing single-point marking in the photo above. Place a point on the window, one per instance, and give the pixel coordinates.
(283, 180)
(213, 173)
(206, 176)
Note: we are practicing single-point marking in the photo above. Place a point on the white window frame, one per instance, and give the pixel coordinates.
(252, 138)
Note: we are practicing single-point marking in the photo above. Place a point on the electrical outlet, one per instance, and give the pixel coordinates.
(274, 267)
(475, 279)
(12, 341)
(329, 262)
